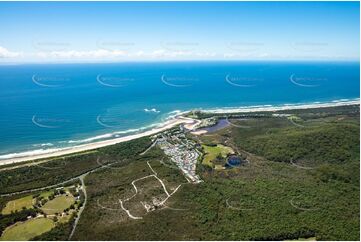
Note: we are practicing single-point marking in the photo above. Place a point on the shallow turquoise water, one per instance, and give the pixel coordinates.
(47, 106)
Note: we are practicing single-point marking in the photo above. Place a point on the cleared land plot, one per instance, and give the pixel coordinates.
(213, 151)
(18, 204)
(28, 230)
(46, 194)
(58, 204)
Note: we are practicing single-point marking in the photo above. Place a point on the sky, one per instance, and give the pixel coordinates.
(137, 31)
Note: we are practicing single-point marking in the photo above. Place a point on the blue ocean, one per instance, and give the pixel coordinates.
(50, 106)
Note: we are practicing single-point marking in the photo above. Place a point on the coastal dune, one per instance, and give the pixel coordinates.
(189, 123)
(95, 145)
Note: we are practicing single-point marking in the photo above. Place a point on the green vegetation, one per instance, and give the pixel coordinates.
(28, 229)
(59, 233)
(18, 204)
(211, 153)
(301, 182)
(46, 194)
(106, 187)
(58, 204)
(10, 219)
(62, 169)
(334, 143)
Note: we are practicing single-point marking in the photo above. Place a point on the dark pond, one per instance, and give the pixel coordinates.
(234, 161)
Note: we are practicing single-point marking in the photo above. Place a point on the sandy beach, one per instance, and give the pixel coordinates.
(270, 108)
(86, 147)
(189, 124)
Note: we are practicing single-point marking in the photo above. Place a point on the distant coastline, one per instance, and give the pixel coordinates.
(172, 122)
(272, 108)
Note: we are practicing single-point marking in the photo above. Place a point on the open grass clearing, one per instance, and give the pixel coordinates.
(58, 204)
(211, 152)
(28, 229)
(18, 204)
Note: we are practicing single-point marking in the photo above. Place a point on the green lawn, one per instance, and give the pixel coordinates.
(27, 230)
(18, 204)
(58, 204)
(46, 194)
(213, 151)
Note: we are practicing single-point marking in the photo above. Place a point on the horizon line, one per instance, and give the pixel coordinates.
(172, 60)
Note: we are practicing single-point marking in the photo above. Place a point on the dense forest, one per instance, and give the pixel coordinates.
(301, 181)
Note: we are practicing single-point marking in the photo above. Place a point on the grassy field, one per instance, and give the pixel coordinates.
(58, 204)
(211, 152)
(28, 230)
(46, 194)
(269, 198)
(301, 182)
(18, 204)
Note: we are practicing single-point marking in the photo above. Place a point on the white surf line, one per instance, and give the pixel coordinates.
(127, 211)
(97, 144)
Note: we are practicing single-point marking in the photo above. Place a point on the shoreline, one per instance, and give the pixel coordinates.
(189, 124)
(99, 144)
(283, 107)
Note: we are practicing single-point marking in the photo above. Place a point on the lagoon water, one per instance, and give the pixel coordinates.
(49, 106)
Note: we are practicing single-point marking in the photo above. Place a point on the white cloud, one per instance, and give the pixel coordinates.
(5, 53)
(109, 54)
(91, 54)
